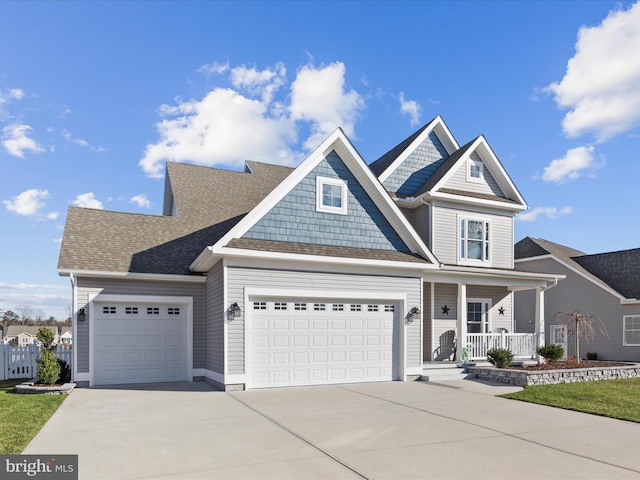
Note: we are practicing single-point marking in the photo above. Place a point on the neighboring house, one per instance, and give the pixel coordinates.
(604, 285)
(21, 335)
(331, 272)
(66, 336)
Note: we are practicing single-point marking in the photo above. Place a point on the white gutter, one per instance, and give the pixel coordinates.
(134, 276)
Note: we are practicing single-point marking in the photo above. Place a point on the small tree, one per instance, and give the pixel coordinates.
(583, 325)
(48, 366)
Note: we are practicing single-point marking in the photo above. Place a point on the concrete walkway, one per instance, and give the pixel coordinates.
(394, 430)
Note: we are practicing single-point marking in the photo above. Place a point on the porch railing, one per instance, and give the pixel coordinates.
(522, 345)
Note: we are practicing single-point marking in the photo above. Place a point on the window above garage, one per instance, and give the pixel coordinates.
(331, 195)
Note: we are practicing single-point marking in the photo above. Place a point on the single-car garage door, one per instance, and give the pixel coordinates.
(139, 343)
(298, 342)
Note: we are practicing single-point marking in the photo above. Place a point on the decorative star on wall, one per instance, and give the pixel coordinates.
(501, 311)
(445, 310)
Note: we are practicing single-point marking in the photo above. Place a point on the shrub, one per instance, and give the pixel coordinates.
(551, 353)
(500, 357)
(46, 337)
(48, 367)
(592, 356)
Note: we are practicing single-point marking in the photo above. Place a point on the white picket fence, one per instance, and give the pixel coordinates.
(522, 345)
(20, 362)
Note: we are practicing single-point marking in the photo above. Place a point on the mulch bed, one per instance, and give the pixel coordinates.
(567, 365)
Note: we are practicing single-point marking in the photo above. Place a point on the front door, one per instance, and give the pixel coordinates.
(559, 337)
(478, 318)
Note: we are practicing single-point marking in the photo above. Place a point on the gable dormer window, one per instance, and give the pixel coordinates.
(331, 195)
(475, 170)
(475, 240)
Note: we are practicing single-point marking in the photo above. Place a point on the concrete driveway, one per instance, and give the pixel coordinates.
(392, 430)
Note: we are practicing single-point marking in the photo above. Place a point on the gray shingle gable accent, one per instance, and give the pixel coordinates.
(295, 219)
(418, 167)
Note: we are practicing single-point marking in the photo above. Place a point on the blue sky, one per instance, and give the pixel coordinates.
(95, 96)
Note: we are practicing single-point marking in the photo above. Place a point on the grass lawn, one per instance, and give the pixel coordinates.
(610, 398)
(22, 416)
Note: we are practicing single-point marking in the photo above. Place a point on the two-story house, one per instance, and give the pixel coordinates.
(23, 335)
(333, 272)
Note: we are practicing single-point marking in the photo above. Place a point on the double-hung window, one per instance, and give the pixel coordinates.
(331, 195)
(631, 330)
(475, 245)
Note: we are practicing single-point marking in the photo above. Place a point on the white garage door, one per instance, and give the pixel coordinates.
(320, 342)
(139, 343)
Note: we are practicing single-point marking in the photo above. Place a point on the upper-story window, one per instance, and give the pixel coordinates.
(475, 240)
(331, 195)
(475, 170)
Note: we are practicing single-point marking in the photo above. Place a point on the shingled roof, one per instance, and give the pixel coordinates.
(381, 164)
(208, 201)
(618, 270)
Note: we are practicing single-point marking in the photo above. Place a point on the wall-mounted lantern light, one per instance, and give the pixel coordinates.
(414, 314)
(234, 311)
(82, 316)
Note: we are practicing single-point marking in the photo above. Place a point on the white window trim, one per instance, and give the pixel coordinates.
(624, 332)
(471, 162)
(320, 181)
(488, 302)
(472, 261)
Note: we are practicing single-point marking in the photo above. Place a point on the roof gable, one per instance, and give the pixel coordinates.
(617, 272)
(406, 166)
(450, 179)
(335, 153)
(295, 217)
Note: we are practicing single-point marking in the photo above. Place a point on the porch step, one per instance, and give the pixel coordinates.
(445, 372)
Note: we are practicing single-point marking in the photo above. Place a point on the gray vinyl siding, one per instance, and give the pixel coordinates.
(214, 318)
(421, 224)
(88, 286)
(458, 180)
(525, 311)
(239, 278)
(446, 236)
(578, 293)
(444, 324)
(500, 297)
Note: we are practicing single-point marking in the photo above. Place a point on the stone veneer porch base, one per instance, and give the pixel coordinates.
(524, 378)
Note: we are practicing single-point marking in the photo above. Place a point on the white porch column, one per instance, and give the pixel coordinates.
(540, 318)
(462, 320)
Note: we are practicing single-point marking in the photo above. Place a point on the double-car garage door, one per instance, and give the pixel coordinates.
(314, 342)
(139, 343)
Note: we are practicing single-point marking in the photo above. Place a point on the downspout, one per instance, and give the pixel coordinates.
(74, 326)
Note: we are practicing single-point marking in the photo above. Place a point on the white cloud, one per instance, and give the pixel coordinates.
(16, 93)
(259, 82)
(214, 68)
(247, 122)
(601, 86)
(16, 141)
(28, 203)
(79, 141)
(318, 95)
(572, 165)
(552, 213)
(411, 108)
(141, 200)
(52, 216)
(88, 200)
